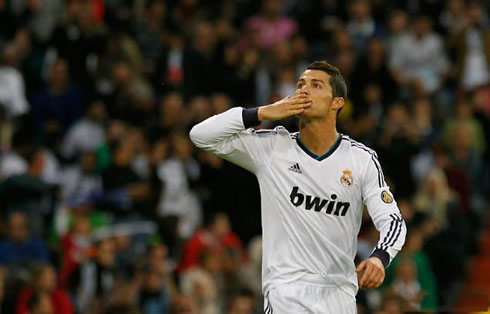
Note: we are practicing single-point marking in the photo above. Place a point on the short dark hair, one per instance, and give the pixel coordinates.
(339, 88)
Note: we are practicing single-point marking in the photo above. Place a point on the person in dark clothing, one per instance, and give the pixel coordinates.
(96, 278)
(122, 183)
(27, 192)
(199, 70)
(398, 143)
(60, 104)
(19, 248)
(373, 70)
(78, 38)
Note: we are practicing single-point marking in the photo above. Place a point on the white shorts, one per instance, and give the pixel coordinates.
(304, 298)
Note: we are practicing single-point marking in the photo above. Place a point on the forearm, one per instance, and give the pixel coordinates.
(216, 129)
(392, 238)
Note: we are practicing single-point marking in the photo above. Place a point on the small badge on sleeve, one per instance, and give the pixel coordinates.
(386, 197)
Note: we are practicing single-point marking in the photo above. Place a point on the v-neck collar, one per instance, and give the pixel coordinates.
(321, 157)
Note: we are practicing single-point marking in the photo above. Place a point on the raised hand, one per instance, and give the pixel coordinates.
(284, 108)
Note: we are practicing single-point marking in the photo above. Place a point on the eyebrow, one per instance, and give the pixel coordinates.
(313, 80)
(319, 81)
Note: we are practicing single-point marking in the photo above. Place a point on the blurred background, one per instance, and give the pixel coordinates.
(106, 206)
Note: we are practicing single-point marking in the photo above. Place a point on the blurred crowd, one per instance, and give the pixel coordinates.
(105, 205)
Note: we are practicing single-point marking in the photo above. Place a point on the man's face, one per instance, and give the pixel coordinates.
(47, 280)
(105, 253)
(44, 306)
(18, 227)
(315, 83)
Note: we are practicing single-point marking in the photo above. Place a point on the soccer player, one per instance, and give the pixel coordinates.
(312, 185)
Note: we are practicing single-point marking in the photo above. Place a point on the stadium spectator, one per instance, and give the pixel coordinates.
(44, 287)
(121, 180)
(372, 70)
(202, 282)
(391, 305)
(169, 116)
(423, 269)
(148, 32)
(177, 198)
(24, 192)
(242, 303)
(12, 90)
(418, 58)
(40, 304)
(76, 248)
(453, 18)
(397, 26)
(361, 25)
(96, 98)
(471, 45)
(39, 17)
(20, 248)
(128, 94)
(153, 296)
(86, 134)
(95, 279)
(269, 27)
(59, 105)
(13, 161)
(398, 144)
(78, 39)
(406, 286)
(251, 272)
(81, 179)
(216, 236)
(198, 59)
(184, 304)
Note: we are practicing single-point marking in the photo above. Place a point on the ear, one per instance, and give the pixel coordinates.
(337, 103)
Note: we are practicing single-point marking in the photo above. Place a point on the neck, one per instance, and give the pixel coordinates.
(318, 135)
(57, 88)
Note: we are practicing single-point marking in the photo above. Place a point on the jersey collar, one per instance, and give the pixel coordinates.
(321, 157)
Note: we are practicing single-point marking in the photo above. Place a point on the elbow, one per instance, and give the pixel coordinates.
(198, 137)
(194, 135)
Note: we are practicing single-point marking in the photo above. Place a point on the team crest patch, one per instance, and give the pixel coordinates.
(386, 197)
(346, 178)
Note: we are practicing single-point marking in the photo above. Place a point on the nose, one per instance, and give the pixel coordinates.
(304, 91)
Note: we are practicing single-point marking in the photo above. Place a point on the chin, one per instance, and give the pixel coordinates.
(308, 114)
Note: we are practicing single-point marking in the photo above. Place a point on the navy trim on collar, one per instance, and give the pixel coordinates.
(330, 151)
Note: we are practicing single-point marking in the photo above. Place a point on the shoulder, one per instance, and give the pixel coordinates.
(359, 149)
(277, 131)
(435, 38)
(35, 242)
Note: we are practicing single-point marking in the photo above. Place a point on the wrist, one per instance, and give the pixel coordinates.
(260, 114)
(250, 117)
(382, 256)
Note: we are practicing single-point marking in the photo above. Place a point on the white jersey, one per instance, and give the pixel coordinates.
(311, 205)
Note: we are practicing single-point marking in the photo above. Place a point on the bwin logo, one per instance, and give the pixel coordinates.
(317, 204)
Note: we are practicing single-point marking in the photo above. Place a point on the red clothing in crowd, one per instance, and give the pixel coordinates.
(59, 299)
(75, 249)
(202, 240)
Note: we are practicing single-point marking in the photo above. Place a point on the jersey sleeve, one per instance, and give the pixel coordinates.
(227, 136)
(383, 211)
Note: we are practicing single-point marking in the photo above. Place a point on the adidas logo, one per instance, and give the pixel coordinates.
(295, 168)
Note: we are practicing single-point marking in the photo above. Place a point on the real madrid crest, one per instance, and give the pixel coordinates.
(346, 178)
